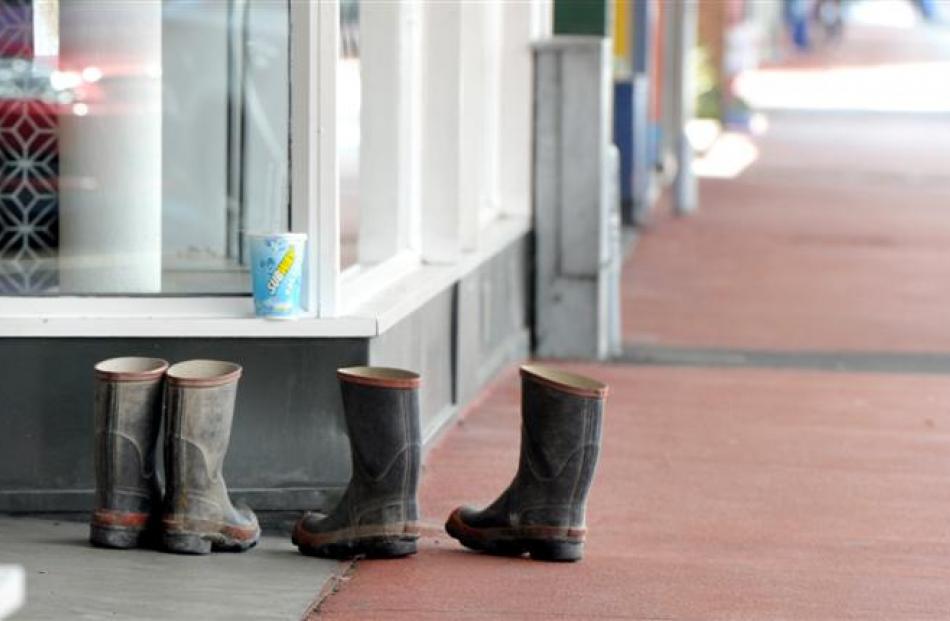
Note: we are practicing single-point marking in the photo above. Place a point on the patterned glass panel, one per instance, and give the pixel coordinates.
(29, 229)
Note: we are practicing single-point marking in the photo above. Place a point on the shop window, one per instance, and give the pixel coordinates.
(139, 142)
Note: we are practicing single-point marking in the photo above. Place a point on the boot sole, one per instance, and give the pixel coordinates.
(110, 528)
(204, 543)
(119, 538)
(391, 540)
(194, 536)
(539, 549)
(369, 547)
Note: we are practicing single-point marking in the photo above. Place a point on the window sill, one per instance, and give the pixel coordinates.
(399, 290)
(160, 326)
(392, 304)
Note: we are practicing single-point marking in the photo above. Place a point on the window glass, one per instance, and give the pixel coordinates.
(349, 131)
(139, 142)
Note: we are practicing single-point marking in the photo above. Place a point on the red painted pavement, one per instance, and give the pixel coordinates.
(836, 238)
(741, 494)
(721, 494)
(834, 243)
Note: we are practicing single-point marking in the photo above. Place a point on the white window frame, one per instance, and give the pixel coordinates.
(314, 43)
(315, 188)
(390, 59)
(438, 239)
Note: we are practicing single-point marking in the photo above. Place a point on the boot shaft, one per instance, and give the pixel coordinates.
(128, 411)
(381, 408)
(562, 419)
(200, 399)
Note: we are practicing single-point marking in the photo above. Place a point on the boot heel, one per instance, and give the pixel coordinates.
(541, 550)
(387, 548)
(186, 543)
(121, 539)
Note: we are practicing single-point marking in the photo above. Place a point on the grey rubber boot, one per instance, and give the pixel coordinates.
(198, 515)
(542, 512)
(377, 516)
(128, 410)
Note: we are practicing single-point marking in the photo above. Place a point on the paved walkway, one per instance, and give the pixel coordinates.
(729, 488)
(66, 578)
(836, 238)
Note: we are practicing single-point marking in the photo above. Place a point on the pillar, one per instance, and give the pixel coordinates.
(576, 199)
(642, 61)
(110, 148)
(683, 104)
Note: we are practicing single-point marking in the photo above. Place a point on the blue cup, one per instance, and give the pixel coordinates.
(276, 271)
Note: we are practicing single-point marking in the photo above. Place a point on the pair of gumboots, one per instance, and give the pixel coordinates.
(542, 512)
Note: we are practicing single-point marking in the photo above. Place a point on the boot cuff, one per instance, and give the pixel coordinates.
(131, 369)
(564, 381)
(203, 373)
(382, 377)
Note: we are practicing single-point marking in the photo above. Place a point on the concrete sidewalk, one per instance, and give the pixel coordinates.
(66, 578)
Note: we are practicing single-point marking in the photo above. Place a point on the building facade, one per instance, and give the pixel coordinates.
(142, 141)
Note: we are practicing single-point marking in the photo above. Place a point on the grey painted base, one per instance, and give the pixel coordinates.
(69, 579)
(288, 443)
(289, 450)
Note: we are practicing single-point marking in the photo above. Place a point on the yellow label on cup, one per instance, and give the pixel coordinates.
(282, 268)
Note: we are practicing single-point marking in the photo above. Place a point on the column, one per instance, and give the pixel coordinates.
(110, 149)
(643, 40)
(388, 163)
(576, 199)
(683, 104)
(441, 135)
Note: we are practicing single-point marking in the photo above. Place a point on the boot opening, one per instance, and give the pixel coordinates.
(384, 377)
(562, 380)
(132, 368)
(203, 373)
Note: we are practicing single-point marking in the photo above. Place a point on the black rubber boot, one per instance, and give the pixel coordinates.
(377, 516)
(128, 421)
(198, 515)
(543, 510)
